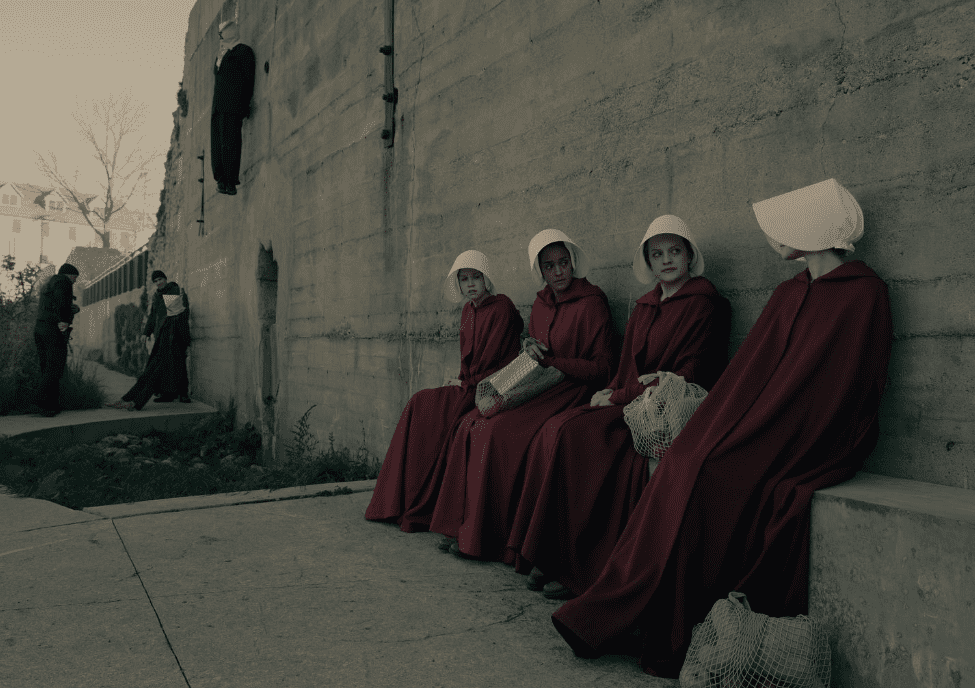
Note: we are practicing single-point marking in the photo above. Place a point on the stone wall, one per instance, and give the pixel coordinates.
(590, 116)
(94, 327)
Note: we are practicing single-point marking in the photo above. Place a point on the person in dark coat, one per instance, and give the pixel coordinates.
(233, 86)
(795, 411)
(55, 313)
(165, 371)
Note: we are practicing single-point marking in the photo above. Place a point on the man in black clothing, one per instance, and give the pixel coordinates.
(54, 316)
(233, 86)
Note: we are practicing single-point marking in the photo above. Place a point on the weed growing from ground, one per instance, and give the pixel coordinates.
(212, 457)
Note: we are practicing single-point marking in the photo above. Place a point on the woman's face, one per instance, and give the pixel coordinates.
(556, 266)
(667, 257)
(471, 283)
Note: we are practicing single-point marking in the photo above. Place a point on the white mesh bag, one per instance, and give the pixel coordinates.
(737, 648)
(658, 415)
(513, 385)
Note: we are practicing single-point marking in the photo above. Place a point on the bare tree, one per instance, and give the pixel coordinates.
(109, 125)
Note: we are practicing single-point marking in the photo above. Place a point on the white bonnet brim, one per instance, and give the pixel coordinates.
(813, 218)
(580, 261)
(468, 259)
(666, 224)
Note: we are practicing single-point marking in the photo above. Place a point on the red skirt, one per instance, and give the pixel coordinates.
(485, 469)
(584, 479)
(410, 478)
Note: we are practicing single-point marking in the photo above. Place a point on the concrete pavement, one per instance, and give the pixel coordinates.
(300, 592)
(266, 588)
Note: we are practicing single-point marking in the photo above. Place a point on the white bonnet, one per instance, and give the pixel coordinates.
(580, 262)
(666, 224)
(468, 259)
(813, 218)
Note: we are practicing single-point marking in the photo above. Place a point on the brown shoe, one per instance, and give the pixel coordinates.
(445, 543)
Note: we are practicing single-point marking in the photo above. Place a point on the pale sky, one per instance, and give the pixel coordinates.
(57, 54)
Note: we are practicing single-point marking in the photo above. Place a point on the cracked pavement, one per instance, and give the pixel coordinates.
(294, 593)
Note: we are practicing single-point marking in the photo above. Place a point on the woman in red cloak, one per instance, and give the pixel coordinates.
(490, 328)
(795, 411)
(569, 329)
(584, 476)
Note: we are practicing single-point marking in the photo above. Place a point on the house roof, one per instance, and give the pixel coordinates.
(91, 262)
(34, 202)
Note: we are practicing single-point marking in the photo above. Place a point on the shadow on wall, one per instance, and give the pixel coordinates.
(267, 301)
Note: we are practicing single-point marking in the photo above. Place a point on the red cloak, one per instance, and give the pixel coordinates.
(584, 476)
(728, 506)
(486, 457)
(489, 340)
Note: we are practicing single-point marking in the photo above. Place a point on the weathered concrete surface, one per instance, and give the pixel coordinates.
(19, 514)
(72, 609)
(893, 574)
(587, 116)
(94, 326)
(161, 506)
(295, 593)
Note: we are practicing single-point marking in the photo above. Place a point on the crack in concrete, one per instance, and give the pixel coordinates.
(470, 629)
(152, 606)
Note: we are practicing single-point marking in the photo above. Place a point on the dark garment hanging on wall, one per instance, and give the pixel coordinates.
(233, 87)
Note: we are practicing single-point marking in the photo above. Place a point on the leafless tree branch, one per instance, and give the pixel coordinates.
(109, 126)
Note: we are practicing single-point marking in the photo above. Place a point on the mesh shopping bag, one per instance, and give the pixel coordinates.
(513, 385)
(658, 415)
(737, 648)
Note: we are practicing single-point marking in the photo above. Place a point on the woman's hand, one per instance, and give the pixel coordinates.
(601, 398)
(453, 382)
(536, 350)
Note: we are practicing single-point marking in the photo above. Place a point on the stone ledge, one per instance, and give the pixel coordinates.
(892, 573)
(161, 506)
(77, 427)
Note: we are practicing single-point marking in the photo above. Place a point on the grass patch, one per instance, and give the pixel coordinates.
(210, 458)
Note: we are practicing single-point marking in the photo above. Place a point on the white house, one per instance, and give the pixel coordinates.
(39, 225)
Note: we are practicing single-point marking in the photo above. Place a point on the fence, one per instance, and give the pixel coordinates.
(120, 278)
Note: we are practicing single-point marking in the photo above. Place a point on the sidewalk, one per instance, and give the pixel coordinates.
(79, 427)
(211, 592)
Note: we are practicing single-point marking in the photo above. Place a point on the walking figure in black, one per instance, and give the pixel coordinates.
(233, 86)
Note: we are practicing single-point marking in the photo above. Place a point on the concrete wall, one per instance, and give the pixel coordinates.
(94, 326)
(590, 116)
(892, 574)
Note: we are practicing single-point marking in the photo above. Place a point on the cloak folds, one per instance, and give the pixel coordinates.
(728, 506)
(485, 460)
(584, 476)
(411, 473)
(165, 371)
